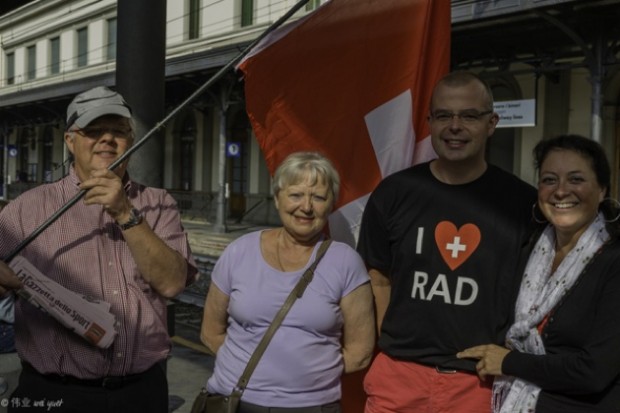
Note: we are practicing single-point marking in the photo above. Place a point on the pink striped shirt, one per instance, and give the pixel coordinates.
(84, 250)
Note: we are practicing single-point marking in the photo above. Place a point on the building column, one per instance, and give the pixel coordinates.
(140, 78)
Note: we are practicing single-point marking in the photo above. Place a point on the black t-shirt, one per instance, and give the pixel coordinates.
(451, 252)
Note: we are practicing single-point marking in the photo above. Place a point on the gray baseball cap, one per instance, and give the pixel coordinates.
(96, 102)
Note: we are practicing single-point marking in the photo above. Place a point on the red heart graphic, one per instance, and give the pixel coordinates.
(455, 245)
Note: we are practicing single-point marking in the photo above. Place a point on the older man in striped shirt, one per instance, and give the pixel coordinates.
(123, 244)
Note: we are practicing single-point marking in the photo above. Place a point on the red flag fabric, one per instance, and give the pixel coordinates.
(353, 81)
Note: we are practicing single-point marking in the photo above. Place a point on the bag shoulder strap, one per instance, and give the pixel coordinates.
(297, 292)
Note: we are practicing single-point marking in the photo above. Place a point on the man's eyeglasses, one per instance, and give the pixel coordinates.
(467, 116)
(97, 132)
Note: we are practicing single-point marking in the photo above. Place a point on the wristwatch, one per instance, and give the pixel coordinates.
(135, 218)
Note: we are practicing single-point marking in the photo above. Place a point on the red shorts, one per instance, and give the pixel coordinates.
(406, 387)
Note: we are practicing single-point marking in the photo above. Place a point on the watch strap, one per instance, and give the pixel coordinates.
(135, 218)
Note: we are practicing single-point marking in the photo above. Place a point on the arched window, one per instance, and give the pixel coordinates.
(47, 154)
(187, 152)
(237, 174)
(26, 171)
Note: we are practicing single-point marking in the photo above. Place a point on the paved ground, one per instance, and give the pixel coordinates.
(190, 364)
(9, 370)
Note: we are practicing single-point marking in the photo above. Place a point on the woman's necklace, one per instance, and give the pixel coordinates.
(298, 257)
(278, 251)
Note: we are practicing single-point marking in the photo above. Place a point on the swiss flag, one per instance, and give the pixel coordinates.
(353, 81)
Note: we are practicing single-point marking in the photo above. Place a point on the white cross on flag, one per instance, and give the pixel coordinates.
(353, 81)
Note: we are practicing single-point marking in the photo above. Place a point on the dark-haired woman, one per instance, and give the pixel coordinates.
(563, 350)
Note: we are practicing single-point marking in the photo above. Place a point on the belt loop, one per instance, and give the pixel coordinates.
(445, 370)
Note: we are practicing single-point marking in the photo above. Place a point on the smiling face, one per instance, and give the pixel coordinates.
(568, 192)
(460, 139)
(99, 144)
(304, 207)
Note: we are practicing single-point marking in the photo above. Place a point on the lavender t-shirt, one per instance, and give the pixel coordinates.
(303, 363)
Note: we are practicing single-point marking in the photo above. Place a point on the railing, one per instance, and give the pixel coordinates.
(195, 204)
(260, 209)
(469, 10)
(200, 205)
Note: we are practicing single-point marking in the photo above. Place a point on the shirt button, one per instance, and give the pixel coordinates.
(551, 319)
(110, 264)
(119, 355)
(115, 292)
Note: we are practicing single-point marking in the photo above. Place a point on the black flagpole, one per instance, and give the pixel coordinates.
(157, 127)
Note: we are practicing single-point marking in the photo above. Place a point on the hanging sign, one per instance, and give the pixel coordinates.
(516, 113)
(233, 149)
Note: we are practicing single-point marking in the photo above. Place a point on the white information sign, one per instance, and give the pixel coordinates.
(516, 113)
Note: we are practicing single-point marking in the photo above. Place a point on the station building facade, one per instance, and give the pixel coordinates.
(561, 55)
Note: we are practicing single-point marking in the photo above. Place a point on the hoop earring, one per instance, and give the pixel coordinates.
(614, 204)
(536, 219)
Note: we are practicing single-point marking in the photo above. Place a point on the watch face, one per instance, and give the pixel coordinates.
(135, 218)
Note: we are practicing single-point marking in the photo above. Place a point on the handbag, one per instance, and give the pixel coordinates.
(207, 402)
(216, 403)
